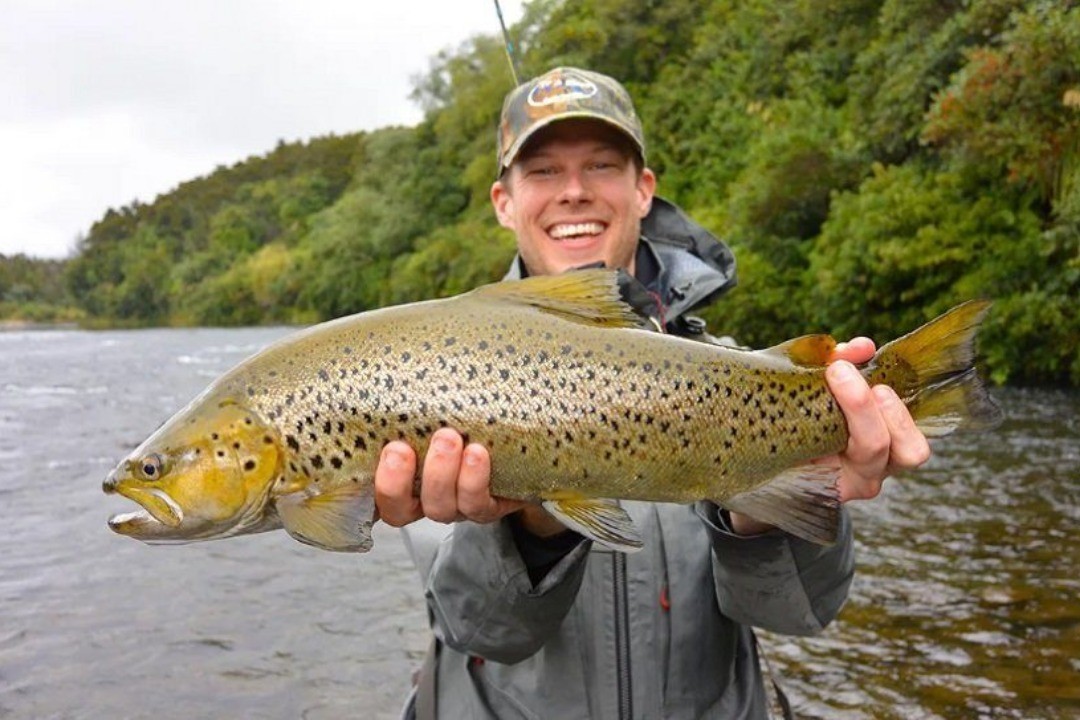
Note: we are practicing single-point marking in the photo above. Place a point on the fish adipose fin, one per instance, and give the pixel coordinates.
(804, 501)
(589, 297)
(339, 519)
(807, 351)
(932, 370)
(601, 520)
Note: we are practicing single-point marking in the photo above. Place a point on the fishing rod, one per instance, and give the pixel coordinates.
(511, 56)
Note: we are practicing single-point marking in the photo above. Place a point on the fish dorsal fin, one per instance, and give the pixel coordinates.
(338, 519)
(599, 519)
(590, 297)
(804, 501)
(807, 351)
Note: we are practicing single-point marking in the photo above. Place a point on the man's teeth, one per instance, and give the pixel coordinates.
(564, 231)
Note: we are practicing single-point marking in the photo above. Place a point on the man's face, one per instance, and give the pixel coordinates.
(574, 197)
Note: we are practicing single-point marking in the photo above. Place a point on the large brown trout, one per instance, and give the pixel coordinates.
(578, 403)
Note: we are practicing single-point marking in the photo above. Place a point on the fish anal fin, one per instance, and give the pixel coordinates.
(601, 520)
(804, 501)
(806, 351)
(590, 297)
(339, 519)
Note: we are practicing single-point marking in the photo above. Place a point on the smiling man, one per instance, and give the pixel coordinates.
(531, 619)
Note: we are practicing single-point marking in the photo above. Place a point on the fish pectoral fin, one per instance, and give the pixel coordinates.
(806, 351)
(590, 297)
(804, 501)
(601, 520)
(339, 519)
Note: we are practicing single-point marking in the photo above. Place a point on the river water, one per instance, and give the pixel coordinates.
(966, 604)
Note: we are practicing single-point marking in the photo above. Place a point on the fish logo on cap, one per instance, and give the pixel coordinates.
(565, 88)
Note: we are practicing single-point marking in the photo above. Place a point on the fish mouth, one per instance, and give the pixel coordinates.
(157, 505)
(134, 524)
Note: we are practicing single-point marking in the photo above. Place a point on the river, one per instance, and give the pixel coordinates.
(966, 604)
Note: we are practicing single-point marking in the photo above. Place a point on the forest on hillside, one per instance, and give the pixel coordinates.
(872, 162)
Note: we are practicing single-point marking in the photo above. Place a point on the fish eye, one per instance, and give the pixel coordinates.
(151, 466)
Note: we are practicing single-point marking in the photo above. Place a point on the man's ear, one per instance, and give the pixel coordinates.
(646, 189)
(503, 202)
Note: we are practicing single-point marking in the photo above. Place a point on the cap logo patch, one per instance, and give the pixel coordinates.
(560, 90)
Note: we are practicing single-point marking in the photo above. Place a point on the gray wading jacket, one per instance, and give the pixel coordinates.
(663, 633)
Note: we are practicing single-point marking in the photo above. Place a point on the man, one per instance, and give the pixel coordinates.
(532, 620)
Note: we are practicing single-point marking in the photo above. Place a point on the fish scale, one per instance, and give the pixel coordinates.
(575, 399)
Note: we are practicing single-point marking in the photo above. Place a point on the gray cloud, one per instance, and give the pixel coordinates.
(115, 100)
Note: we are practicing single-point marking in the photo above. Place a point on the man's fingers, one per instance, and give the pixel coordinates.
(475, 501)
(438, 488)
(908, 447)
(856, 350)
(474, 486)
(394, 485)
(867, 452)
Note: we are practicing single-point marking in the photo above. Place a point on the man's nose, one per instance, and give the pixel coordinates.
(575, 188)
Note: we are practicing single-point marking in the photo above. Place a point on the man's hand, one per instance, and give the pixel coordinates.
(882, 436)
(455, 486)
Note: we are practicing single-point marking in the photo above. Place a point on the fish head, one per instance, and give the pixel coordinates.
(206, 473)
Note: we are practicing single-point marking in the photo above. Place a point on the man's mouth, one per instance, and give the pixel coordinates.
(564, 231)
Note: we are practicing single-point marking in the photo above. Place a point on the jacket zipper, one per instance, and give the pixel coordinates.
(622, 638)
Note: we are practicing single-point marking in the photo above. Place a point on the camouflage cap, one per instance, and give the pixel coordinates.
(561, 94)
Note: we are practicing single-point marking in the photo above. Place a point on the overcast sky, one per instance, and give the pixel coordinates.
(107, 101)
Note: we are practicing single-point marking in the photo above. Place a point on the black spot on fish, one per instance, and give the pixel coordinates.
(214, 436)
(449, 341)
(317, 461)
(221, 453)
(336, 462)
(249, 465)
(236, 446)
(323, 375)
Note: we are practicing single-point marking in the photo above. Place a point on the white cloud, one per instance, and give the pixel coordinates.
(110, 101)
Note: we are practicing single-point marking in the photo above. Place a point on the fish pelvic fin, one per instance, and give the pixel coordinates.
(601, 520)
(803, 501)
(590, 297)
(932, 369)
(339, 519)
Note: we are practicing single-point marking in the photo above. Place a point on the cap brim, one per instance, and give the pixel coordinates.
(512, 153)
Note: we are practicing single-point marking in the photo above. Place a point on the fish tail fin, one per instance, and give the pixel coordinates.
(932, 369)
